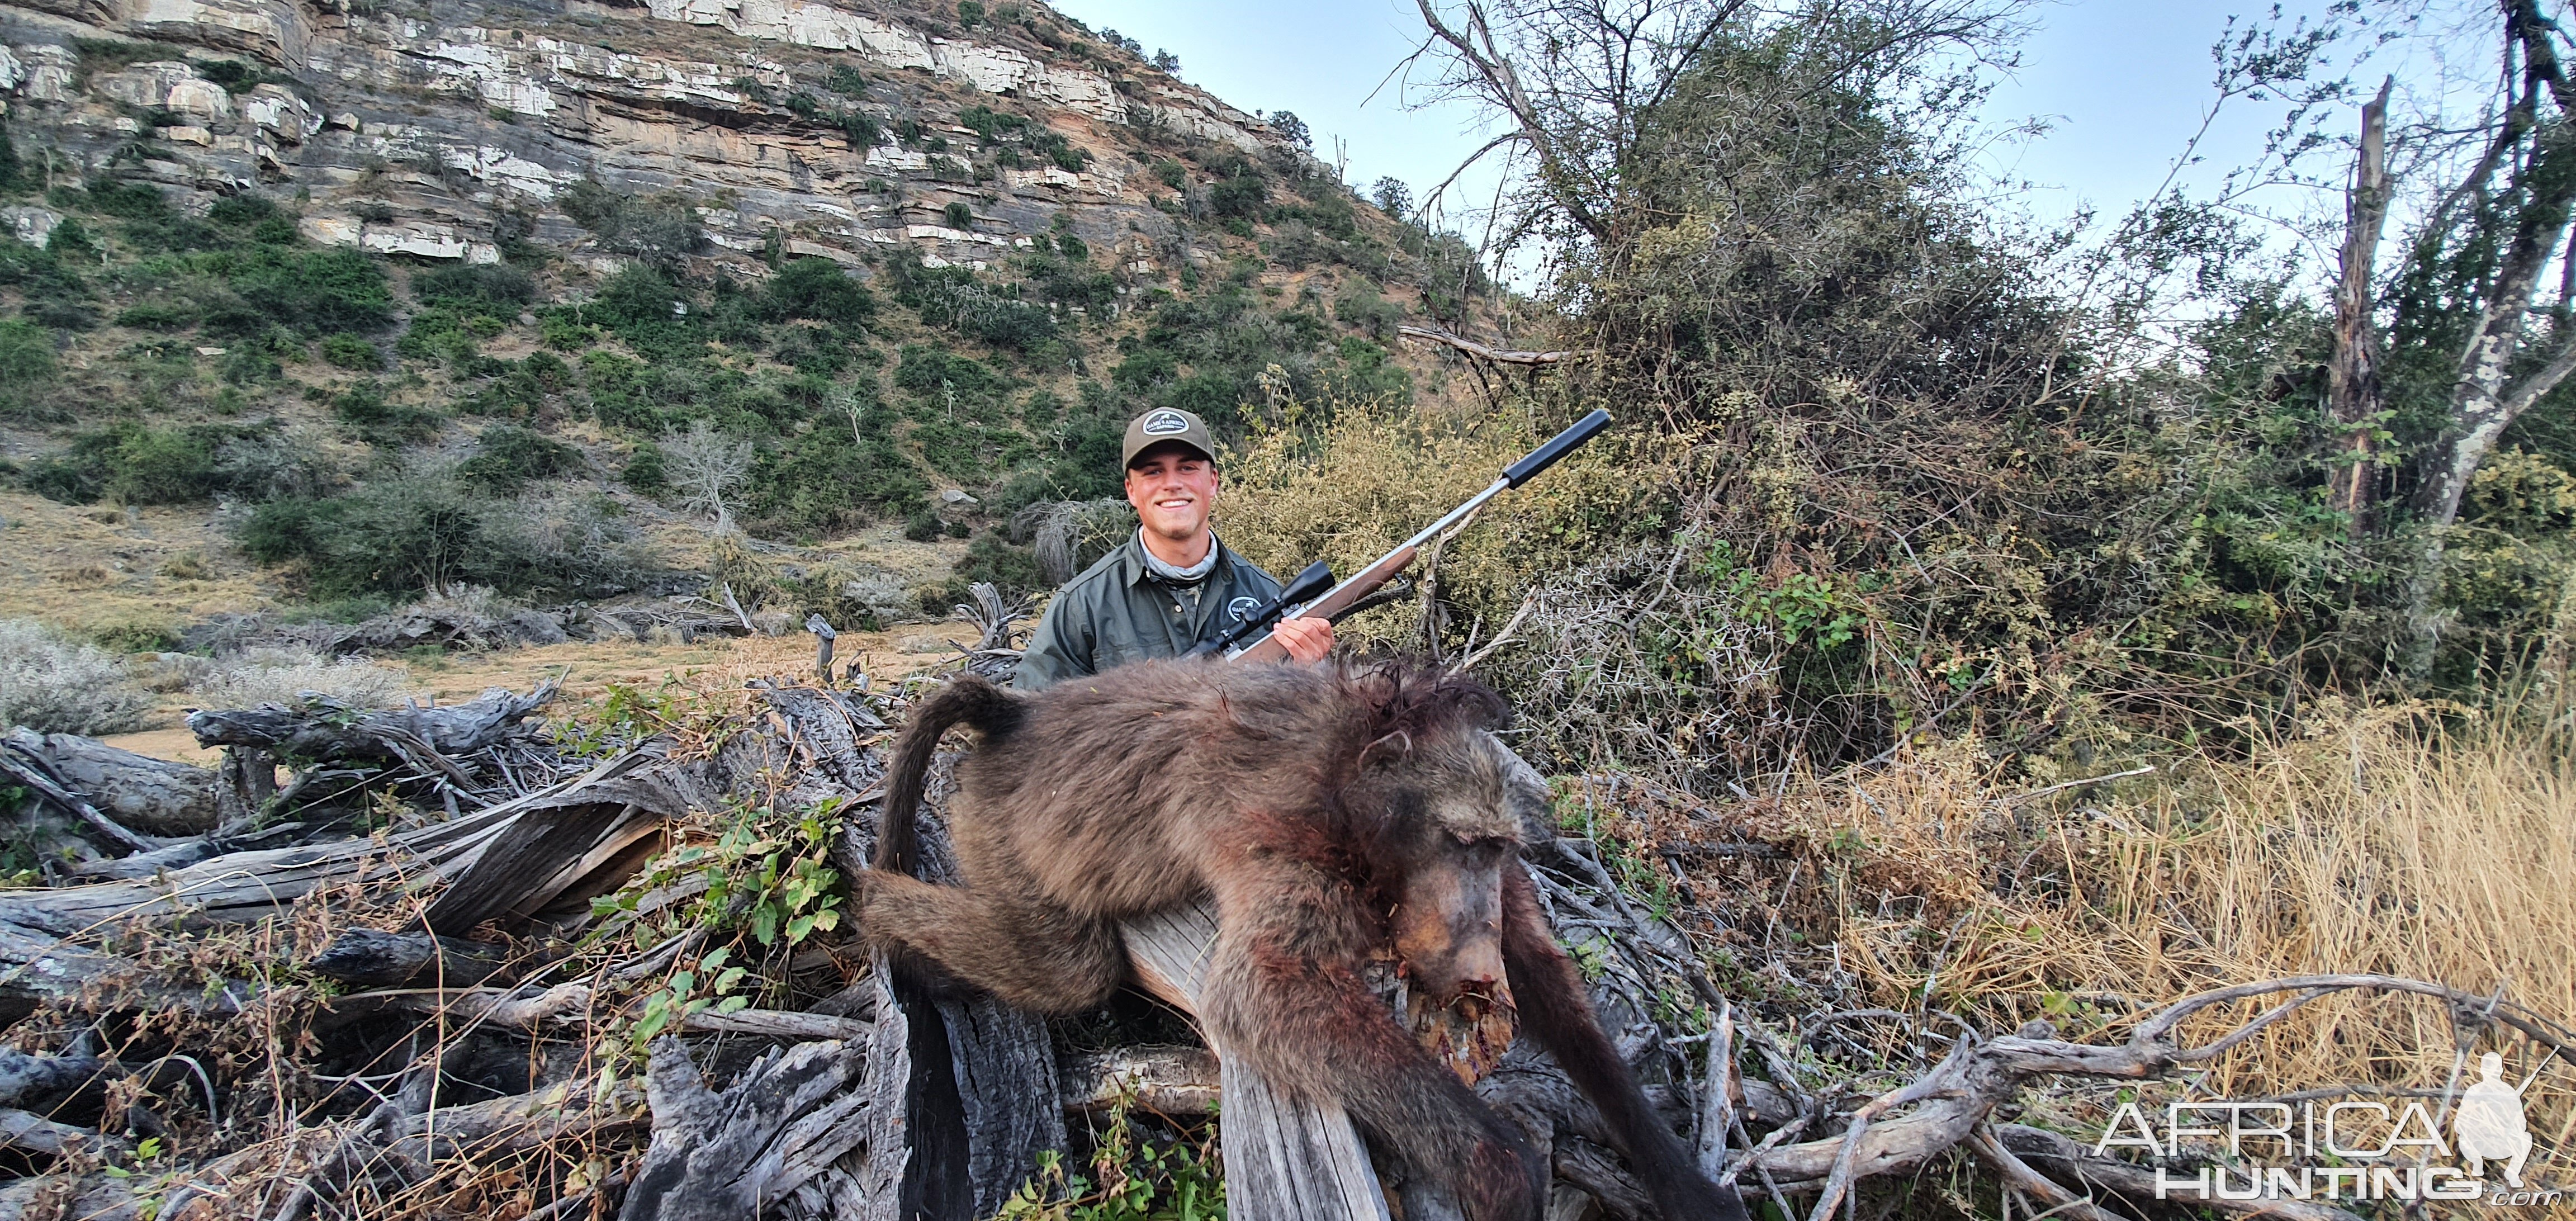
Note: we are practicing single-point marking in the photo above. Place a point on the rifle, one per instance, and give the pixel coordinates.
(1338, 601)
(1317, 577)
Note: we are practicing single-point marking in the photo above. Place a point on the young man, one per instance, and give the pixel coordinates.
(1170, 586)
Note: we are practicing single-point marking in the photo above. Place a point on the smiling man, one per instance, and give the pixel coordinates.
(1171, 585)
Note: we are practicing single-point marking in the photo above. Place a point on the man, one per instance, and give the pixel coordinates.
(1173, 584)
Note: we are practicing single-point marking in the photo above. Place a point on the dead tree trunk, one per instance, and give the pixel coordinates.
(326, 729)
(154, 796)
(2352, 375)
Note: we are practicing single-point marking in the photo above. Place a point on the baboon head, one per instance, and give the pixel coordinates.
(1452, 809)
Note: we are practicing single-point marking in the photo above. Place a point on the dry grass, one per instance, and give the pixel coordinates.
(2384, 841)
(83, 569)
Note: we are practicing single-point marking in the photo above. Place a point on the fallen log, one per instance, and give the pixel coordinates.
(23, 1075)
(1182, 1082)
(28, 1133)
(373, 958)
(243, 886)
(154, 796)
(320, 728)
(28, 773)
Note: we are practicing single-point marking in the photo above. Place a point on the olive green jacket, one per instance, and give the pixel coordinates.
(1118, 611)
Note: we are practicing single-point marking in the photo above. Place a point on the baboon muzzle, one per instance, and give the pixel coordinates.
(1449, 940)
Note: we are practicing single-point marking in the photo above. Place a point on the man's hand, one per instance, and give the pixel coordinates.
(1306, 640)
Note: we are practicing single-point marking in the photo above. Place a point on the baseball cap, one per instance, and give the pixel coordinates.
(1165, 424)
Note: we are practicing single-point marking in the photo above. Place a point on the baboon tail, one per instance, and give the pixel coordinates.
(970, 700)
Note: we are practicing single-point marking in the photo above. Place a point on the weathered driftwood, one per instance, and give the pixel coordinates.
(577, 1107)
(372, 958)
(725, 1156)
(1480, 351)
(320, 728)
(153, 796)
(24, 1075)
(31, 773)
(1181, 1082)
(249, 885)
(27, 1133)
(1284, 1160)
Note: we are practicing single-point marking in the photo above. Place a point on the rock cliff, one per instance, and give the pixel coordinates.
(440, 130)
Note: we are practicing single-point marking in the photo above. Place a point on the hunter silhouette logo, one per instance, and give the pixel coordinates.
(2360, 1150)
(2490, 1125)
(1164, 424)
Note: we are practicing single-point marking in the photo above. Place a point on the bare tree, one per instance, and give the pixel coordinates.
(2352, 373)
(706, 466)
(2514, 204)
(1577, 81)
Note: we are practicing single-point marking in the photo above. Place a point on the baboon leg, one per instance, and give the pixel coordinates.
(1031, 955)
(1556, 1011)
(1285, 994)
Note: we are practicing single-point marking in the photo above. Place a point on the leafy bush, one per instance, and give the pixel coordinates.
(425, 531)
(955, 298)
(490, 288)
(134, 463)
(818, 289)
(508, 458)
(26, 365)
(158, 316)
(53, 684)
(316, 291)
(660, 231)
(346, 351)
(381, 421)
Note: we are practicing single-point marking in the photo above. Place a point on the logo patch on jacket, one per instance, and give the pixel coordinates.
(1164, 424)
(1240, 608)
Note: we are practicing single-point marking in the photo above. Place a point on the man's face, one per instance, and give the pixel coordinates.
(1173, 490)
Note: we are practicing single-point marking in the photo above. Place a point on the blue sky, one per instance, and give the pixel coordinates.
(2124, 83)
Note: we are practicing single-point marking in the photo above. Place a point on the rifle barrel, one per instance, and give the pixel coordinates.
(1333, 601)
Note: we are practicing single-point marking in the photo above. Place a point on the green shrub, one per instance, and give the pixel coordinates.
(162, 315)
(365, 408)
(26, 365)
(644, 471)
(316, 291)
(660, 230)
(508, 458)
(427, 532)
(488, 287)
(818, 289)
(1014, 568)
(346, 351)
(922, 526)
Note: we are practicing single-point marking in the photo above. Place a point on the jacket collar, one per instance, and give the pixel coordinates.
(1131, 561)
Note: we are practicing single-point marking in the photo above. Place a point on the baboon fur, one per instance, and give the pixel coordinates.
(1314, 803)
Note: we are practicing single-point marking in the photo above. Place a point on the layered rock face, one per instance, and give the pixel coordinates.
(440, 130)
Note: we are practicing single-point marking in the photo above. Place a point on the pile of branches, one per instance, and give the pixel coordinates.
(498, 978)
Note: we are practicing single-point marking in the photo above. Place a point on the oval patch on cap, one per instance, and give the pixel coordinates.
(1164, 424)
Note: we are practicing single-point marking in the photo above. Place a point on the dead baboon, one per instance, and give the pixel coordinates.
(1329, 811)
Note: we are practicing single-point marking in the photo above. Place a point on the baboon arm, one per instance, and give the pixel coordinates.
(1285, 994)
(1556, 1011)
(1032, 956)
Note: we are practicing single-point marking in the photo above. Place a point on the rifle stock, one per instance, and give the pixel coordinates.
(1334, 602)
(1339, 599)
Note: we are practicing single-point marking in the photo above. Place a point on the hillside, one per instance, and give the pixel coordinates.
(399, 299)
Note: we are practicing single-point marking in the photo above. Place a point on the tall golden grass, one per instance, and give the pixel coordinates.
(2387, 840)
